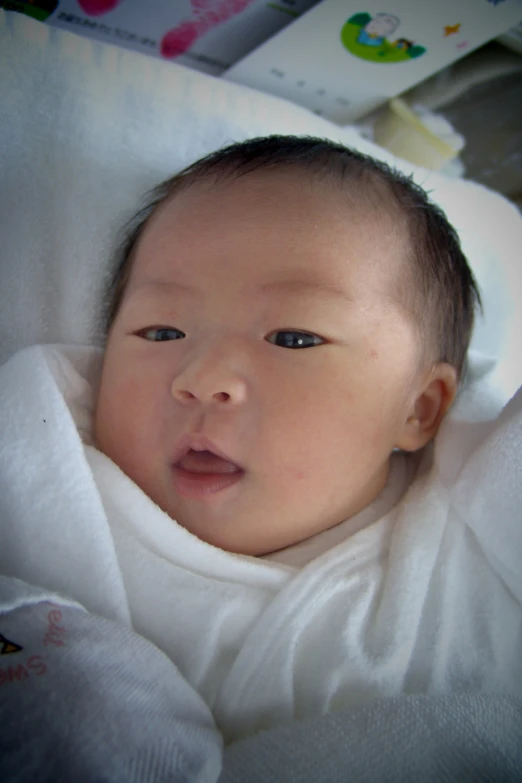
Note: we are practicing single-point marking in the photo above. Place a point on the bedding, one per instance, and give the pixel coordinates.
(86, 129)
(161, 730)
(393, 608)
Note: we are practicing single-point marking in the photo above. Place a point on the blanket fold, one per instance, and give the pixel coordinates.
(53, 529)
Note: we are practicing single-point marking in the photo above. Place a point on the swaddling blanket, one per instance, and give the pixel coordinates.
(426, 599)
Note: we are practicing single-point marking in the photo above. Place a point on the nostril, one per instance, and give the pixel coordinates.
(186, 395)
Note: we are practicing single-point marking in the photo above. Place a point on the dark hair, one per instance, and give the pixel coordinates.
(437, 286)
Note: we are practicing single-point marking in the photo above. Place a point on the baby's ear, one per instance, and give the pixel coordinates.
(429, 408)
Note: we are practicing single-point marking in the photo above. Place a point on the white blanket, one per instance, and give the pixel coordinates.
(86, 128)
(426, 599)
(97, 702)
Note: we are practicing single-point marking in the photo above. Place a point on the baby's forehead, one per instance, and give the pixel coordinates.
(243, 228)
(293, 193)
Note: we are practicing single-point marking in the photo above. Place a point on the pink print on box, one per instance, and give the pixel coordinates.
(97, 7)
(206, 15)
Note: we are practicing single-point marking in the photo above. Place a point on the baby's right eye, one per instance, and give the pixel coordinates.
(163, 334)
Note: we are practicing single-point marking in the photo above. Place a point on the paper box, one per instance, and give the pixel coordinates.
(343, 58)
(208, 35)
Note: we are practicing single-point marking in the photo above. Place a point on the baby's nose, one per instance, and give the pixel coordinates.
(209, 386)
(185, 394)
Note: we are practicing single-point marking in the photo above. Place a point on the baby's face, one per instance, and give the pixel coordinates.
(228, 275)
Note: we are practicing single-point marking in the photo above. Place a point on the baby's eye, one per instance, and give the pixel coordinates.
(294, 339)
(160, 333)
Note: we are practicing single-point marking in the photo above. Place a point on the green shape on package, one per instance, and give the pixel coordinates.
(39, 9)
(383, 51)
(360, 19)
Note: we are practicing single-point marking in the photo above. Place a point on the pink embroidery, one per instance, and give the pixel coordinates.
(55, 633)
(35, 665)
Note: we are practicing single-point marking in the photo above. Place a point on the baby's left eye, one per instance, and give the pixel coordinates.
(160, 334)
(290, 338)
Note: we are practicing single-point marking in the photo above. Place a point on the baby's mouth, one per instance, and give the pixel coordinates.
(202, 475)
(206, 462)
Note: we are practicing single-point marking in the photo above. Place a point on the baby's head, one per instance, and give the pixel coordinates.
(304, 308)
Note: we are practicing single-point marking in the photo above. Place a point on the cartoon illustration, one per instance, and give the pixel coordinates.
(375, 32)
(403, 43)
(37, 9)
(367, 37)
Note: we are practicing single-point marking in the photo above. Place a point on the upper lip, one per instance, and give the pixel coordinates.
(198, 443)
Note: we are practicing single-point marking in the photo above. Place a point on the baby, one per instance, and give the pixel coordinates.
(316, 311)
(266, 471)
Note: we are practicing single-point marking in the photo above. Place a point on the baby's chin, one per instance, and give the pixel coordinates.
(225, 535)
(233, 520)
(243, 521)
(239, 534)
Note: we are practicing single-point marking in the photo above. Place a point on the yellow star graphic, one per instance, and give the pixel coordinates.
(450, 29)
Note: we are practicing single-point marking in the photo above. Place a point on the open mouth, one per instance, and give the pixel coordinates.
(206, 462)
(201, 474)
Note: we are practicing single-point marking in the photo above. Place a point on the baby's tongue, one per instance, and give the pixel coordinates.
(206, 462)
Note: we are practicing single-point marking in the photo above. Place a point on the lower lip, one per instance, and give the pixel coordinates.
(202, 485)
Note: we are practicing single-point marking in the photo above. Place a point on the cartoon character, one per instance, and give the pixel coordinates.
(403, 43)
(374, 33)
(367, 37)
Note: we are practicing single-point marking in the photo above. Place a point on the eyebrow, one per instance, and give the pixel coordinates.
(301, 286)
(292, 286)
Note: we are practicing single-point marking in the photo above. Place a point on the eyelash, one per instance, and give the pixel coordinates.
(144, 332)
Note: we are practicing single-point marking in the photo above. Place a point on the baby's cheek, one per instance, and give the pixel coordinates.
(112, 422)
(305, 470)
(297, 475)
